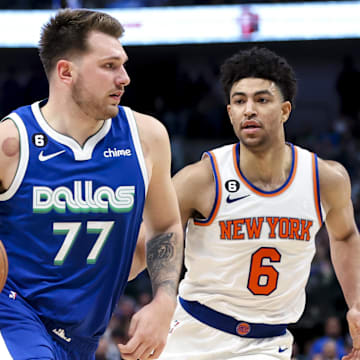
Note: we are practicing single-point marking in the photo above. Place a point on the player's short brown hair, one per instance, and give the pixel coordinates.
(66, 34)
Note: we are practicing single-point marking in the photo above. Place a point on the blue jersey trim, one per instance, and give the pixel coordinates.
(255, 187)
(229, 324)
(318, 187)
(204, 221)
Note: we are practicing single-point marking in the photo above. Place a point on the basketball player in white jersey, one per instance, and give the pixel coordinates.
(252, 210)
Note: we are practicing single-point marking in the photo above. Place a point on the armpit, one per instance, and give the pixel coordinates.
(197, 215)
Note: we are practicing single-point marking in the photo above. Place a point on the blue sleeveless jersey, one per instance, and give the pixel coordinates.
(70, 219)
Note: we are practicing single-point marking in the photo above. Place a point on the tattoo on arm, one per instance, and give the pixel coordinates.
(164, 261)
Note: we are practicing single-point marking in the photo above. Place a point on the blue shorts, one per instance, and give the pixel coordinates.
(26, 337)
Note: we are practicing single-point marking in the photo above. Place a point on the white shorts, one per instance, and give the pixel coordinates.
(190, 339)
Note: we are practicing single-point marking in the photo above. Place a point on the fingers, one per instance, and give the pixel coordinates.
(142, 353)
(354, 355)
(353, 318)
(157, 352)
(133, 325)
(136, 349)
(148, 333)
(148, 354)
(129, 348)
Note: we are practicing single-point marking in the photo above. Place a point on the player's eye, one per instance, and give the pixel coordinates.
(239, 101)
(109, 65)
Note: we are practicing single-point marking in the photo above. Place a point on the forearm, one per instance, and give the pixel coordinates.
(139, 258)
(164, 256)
(345, 256)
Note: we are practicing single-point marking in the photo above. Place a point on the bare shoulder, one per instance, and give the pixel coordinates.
(335, 187)
(195, 176)
(9, 152)
(8, 128)
(195, 189)
(150, 128)
(154, 140)
(9, 139)
(332, 174)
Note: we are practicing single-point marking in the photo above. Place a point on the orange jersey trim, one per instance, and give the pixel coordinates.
(257, 190)
(218, 193)
(316, 188)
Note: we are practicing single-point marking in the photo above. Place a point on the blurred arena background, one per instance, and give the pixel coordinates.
(174, 66)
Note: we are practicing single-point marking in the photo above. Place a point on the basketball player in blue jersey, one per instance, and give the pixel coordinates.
(252, 210)
(78, 175)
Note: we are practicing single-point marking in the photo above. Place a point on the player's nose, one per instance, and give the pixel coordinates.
(249, 108)
(122, 77)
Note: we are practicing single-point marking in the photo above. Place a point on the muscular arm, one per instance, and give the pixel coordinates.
(344, 240)
(164, 246)
(162, 251)
(340, 223)
(9, 153)
(9, 158)
(195, 189)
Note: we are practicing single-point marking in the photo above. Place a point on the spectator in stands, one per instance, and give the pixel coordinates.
(331, 342)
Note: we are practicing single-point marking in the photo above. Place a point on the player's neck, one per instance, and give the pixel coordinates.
(268, 169)
(69, 121)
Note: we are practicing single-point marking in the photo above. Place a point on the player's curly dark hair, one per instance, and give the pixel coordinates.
(259, 62)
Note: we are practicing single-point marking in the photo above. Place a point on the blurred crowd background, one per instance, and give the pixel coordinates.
(55, 4)
(180, 86)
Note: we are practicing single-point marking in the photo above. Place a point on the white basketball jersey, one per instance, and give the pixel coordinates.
(251, 258)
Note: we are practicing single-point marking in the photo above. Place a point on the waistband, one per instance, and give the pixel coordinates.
(229, 324)
(63, 335)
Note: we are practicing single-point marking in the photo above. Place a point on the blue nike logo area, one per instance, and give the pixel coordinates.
(230, 200)
(282, 349)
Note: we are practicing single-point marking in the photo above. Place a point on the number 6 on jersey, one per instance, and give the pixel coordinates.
(259, 271)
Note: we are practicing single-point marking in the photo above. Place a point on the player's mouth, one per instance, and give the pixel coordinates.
(250, 126)
(117, 95)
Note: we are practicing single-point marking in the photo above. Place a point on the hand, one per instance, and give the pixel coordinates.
(149, 329)
(353, 318)
(354, 355)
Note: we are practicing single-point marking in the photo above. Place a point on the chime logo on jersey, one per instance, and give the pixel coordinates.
(101, 200)
(109, 153)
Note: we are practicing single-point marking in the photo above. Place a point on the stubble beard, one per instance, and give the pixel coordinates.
(254, 144)
(91, 106)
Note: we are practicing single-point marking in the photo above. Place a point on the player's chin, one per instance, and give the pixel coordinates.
(112, 111)
(250, 142)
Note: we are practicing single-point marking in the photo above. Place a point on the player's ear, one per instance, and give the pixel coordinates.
(285, 111)
(64, 70)
(228, 108)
